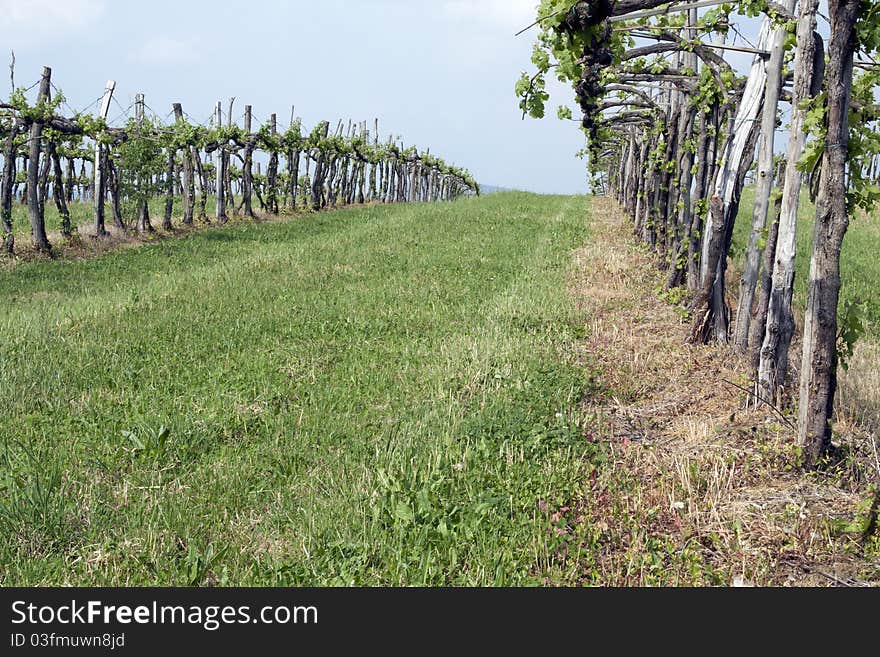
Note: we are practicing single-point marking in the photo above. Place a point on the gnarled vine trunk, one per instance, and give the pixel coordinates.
(819, 364)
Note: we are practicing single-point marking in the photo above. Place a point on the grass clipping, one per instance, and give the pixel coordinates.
(699, 490)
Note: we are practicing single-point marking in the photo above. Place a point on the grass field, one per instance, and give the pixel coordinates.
(379, 395)
(82, 215)
(368, 396)
(860, 271)
(860, 262)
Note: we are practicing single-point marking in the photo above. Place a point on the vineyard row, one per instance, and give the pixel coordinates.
(120, 169)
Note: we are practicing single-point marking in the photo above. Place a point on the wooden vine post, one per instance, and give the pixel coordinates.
(220, 187)
(820, 358)
(142, 182)
(226, 154)
(35, 148)
(100, 183)
(188, 179)
(292, 141)
(776, 328)
(9, 150)
(272, 170)
(247, 172)
(59, 193)
(737, 159)
(763, 187)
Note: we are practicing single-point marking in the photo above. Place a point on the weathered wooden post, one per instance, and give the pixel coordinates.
(820, 358)
(220, 189)
(189, 191)
(7, 185)
(59, 192)
(272, 170)
(227, 163)
(247, 173)
(38, 225)
(143, 183)
(778, 326)
(112, 185)
(764, 185)
(318, 182)
(100, 183)
(737, 157)
(170, 179)
(292, 163)
(413, 171)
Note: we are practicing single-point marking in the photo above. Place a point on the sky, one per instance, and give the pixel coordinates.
(438, 73)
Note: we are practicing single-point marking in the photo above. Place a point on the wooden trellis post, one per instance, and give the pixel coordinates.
(100, 183)
(35, 148)
(220, 172)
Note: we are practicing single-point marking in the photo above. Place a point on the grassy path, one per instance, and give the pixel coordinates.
(371, 396)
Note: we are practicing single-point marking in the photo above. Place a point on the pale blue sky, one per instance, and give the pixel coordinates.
(439, 73)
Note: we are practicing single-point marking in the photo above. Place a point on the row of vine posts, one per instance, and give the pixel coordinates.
(84, 158)
(673, 131)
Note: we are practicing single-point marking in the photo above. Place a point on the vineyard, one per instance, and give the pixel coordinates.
(83, 158)
(673, 131)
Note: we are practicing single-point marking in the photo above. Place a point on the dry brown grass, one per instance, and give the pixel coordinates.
(708, 476)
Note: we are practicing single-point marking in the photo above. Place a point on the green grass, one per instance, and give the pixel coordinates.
(82, 214)
(370, 396)
(860, 261)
